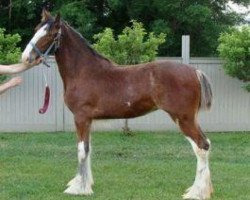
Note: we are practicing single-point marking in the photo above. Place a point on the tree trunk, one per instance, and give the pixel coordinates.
(126, 129)
(10, 14)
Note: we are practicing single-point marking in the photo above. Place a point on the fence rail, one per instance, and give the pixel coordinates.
(19, 107)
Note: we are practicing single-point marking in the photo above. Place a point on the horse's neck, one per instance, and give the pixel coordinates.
(70, 49)
(75, 56)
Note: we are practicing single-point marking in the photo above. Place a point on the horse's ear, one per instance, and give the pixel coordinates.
(45, 14)
(58, 21)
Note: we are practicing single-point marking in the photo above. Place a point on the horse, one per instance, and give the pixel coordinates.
(96, 88)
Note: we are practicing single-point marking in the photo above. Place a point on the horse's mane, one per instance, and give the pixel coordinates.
(85, 42)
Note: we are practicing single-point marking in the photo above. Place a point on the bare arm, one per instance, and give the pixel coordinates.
(12, 69)
(16, 68)
(10, 84)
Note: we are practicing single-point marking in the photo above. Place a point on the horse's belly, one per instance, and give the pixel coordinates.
(125, 110)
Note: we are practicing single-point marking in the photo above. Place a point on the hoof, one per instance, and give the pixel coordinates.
(78, 187)
(77, 179)
(74, 180)
(79, 190)
(198, 193)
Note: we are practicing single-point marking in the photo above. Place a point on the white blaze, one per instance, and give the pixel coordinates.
(38, 35)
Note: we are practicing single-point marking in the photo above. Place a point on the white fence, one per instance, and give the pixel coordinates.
(19, 107)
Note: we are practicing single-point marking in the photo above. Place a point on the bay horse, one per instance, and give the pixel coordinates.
(96, 88)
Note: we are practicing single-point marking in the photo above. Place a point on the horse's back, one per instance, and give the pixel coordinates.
(176, 88)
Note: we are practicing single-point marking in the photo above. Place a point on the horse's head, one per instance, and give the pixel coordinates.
(46, 35)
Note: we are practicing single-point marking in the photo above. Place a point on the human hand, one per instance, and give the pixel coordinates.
(15, 81)
(34, 62)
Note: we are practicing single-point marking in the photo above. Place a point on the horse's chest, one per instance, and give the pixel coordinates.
(73, 97)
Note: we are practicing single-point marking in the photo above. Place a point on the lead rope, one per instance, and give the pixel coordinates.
(47, 90)
(45, 78)
(46, 96)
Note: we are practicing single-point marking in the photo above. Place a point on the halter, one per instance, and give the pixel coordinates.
(55, 43)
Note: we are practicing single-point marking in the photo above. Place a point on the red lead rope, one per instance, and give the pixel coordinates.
(46, 96)
(46, 100)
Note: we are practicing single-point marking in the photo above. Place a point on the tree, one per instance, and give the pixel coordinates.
(132, 46)
(80, 17)
(20, 16)
(234, 48)
(9, 52)
(203, 20)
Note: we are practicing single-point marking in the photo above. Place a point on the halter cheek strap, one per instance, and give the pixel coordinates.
(55, 44)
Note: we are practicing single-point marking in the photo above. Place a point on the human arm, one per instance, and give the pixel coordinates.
(16, 68)
(15, 81)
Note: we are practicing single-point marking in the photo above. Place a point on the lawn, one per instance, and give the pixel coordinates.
(145, 166)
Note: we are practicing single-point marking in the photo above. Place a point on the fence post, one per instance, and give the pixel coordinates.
(185, 49)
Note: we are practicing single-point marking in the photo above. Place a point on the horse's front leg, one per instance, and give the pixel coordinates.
(82, 182)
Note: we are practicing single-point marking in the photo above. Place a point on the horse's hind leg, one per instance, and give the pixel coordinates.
(202, 186)
(83, 181)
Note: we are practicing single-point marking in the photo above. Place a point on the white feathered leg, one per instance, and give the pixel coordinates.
(82, 182)
(202, 187)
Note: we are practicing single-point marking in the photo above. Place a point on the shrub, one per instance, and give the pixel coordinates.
(9, 52)
(234, 48)
(132, 46)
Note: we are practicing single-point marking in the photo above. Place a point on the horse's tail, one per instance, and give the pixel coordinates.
(206, 96)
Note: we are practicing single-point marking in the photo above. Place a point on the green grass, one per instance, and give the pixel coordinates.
(146, 166)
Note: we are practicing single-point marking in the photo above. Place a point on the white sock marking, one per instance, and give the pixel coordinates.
(83, 181)
(202, 187)
(81, 152)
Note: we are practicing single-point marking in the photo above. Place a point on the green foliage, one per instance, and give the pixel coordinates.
(132, 46)
(202, 20)
(9, 52)
(79, 17)
(247, 87)
(234, 48)
(21, 17)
